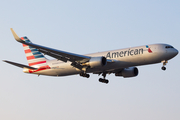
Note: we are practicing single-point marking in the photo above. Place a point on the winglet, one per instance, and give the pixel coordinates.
(16, 36)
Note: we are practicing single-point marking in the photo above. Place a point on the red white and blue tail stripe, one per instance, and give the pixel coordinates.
(34, 57)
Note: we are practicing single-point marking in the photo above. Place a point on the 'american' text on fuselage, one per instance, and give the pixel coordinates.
(124, 53)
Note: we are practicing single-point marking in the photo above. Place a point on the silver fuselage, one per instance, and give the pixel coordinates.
(122, 58)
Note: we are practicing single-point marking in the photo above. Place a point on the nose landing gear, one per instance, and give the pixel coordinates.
(164, 63)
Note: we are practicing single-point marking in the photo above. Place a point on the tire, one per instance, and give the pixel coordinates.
(163, 68)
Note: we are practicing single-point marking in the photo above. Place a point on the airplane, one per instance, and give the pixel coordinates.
(121, 62)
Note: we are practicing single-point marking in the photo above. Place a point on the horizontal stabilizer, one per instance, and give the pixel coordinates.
(20, 65)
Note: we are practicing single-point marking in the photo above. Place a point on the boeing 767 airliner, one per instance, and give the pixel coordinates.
(121, 62)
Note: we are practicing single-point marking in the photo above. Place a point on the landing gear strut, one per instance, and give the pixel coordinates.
(164, 63)
(84, 75)
(103, 80)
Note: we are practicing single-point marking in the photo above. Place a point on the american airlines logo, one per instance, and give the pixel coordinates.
(129, 52)
(149, 50)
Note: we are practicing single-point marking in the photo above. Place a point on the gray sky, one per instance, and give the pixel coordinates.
(85, 27)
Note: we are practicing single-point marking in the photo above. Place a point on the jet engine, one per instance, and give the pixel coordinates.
(95, 62)
(128, 72)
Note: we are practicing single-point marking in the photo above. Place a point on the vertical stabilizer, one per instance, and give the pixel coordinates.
(34, 57)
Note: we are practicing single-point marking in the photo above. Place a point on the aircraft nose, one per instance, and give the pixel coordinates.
(175, 52)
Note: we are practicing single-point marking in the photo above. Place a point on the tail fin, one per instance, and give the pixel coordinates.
(34, 57)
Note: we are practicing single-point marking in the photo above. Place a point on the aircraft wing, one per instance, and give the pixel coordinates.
(76, 59)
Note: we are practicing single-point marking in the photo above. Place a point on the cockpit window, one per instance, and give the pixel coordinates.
(169, 47)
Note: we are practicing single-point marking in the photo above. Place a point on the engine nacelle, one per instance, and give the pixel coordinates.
(128, 72)
(97, 62)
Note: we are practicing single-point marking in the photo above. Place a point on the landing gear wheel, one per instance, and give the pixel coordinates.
(84, 75)
(100, 79)
(163, 68)
(103, 80)
(87, 75)
(106, 81)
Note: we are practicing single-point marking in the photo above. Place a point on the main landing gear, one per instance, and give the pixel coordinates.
(84, 75)
(103, 80)
(164, 63)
